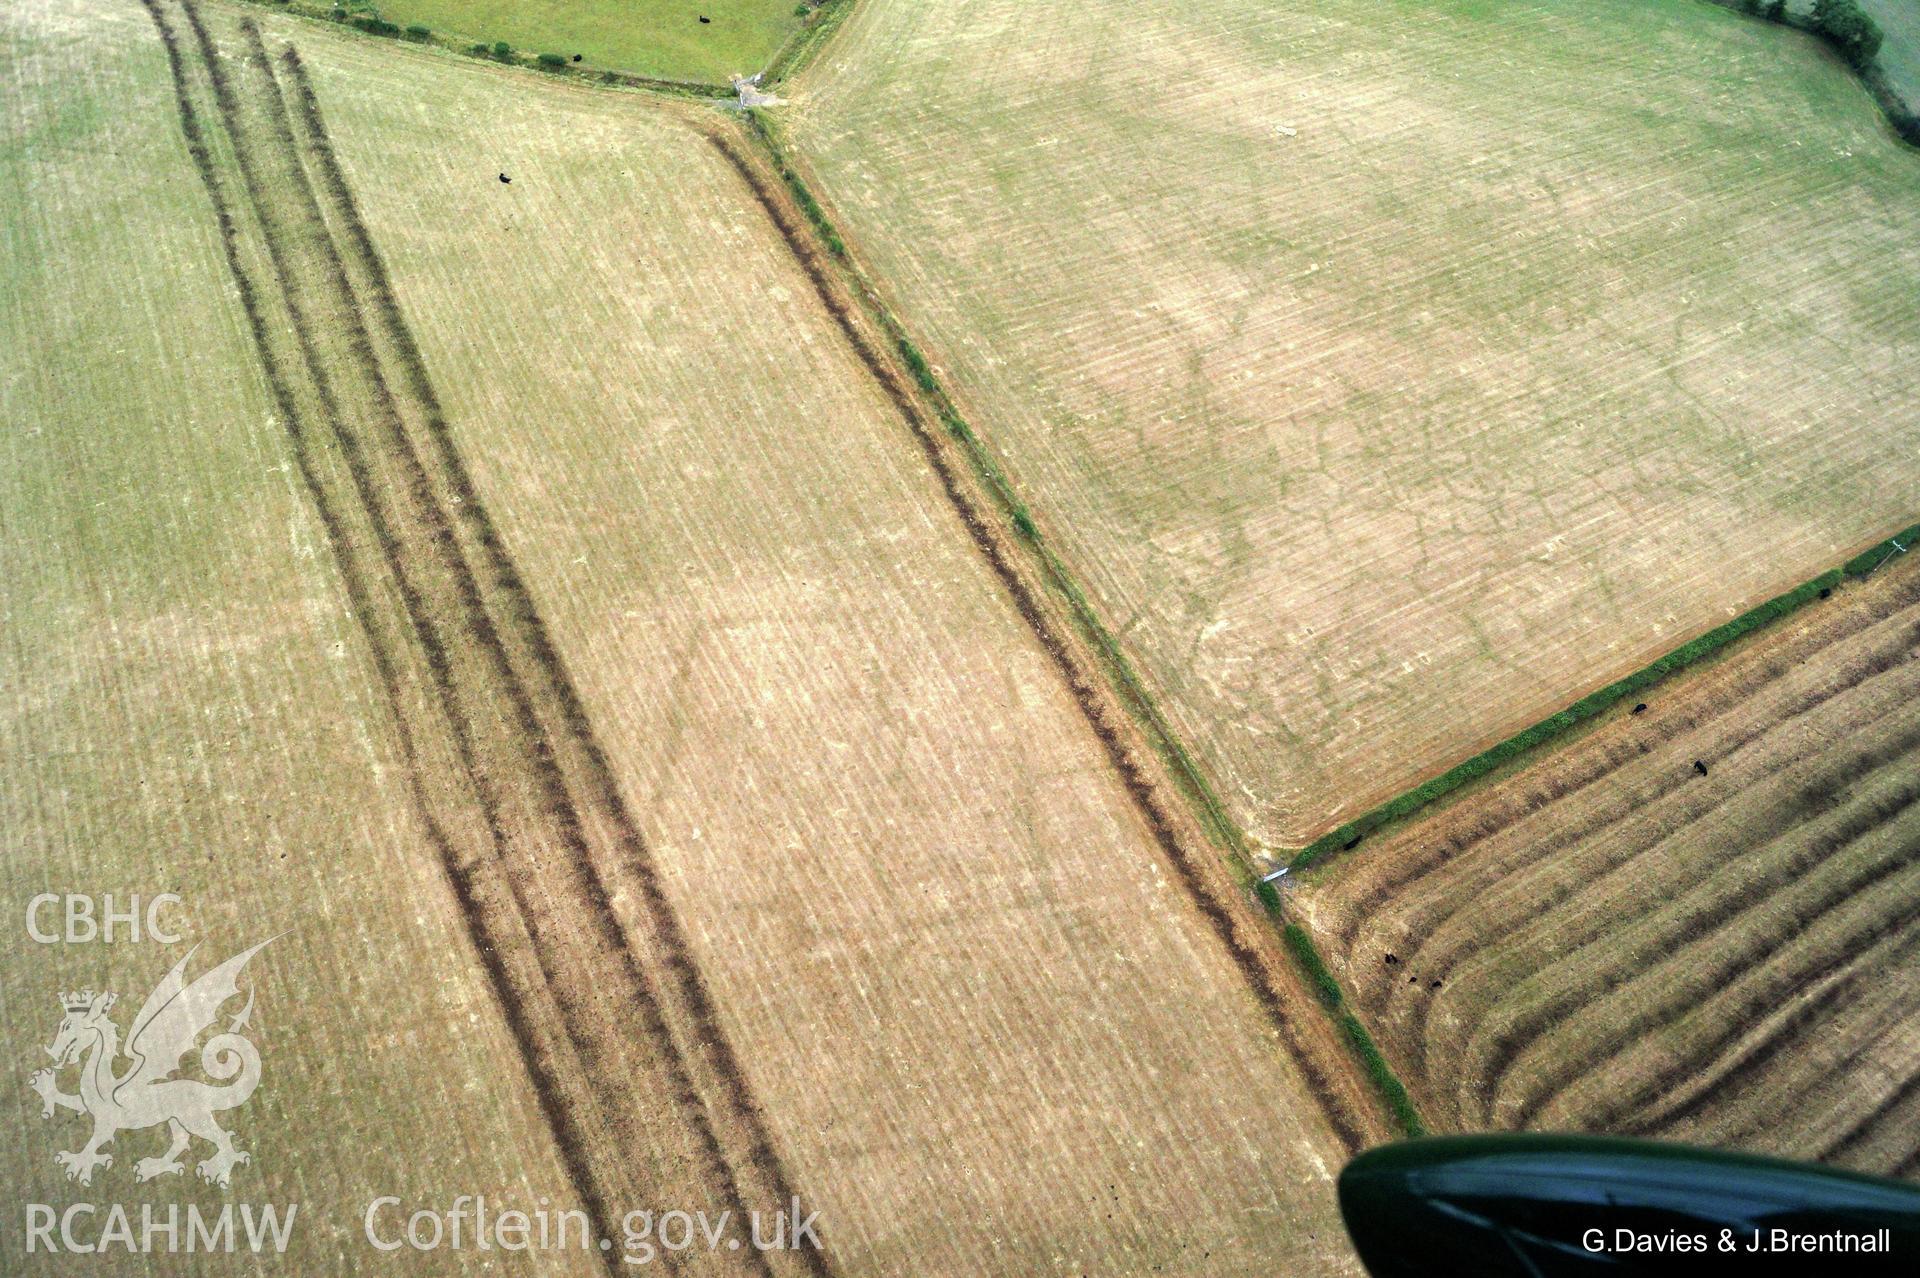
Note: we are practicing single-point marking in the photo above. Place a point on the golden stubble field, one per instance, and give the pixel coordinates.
(986, 1027)
(186, 704)
(523, 595)
(1608, 940)
(1392, 374)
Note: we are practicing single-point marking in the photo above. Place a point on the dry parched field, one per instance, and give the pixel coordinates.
(1392, 373)
(1610, 941)
(727, 794)
(987, 1027)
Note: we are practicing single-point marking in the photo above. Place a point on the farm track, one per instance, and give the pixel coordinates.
(564, 905)
(1269, 976)
(1608, 941)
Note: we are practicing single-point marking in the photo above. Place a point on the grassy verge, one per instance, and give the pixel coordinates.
(1900, 115)
(803, 44)
(1593, 703)
(1327, 988)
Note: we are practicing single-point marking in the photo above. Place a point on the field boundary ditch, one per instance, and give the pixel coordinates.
(1098, 647)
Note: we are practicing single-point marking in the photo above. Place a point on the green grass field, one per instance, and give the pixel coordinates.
(171, 619)
(1900, 54)
(663, 38)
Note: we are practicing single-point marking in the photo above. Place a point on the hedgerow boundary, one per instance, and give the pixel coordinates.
(1553, 726)
(1326, 988)
(526, 59)
(1114, 667)
(802, 45)
(1900, 115)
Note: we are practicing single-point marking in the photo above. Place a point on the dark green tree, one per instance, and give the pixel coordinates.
(1854, 35)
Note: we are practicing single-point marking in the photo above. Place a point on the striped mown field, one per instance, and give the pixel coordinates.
(1391, 373)
(1609, 940)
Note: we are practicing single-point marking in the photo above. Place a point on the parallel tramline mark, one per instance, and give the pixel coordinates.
(527, 1038)
(516, 902)
(491, 938)
(500, 937)
(577, 732)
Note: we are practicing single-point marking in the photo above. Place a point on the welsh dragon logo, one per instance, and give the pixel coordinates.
(145, 1094)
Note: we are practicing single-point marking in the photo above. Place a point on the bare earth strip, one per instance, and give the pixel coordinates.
(187, 703)
(1609, 940)
(988, 1026)
(1391, 373)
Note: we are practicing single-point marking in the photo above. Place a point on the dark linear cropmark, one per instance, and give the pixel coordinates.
(1262, 981)
(646, 1100)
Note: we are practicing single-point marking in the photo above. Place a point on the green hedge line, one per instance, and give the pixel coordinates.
(1587, 707)
(918, 366)
(1867, 560)
(1327, 987)
(1398, 1102)
(1309, 958)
